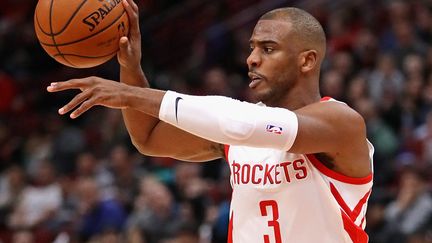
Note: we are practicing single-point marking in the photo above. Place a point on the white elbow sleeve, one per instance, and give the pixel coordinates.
(229, 121)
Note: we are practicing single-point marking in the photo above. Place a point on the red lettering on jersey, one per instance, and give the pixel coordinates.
(277, 172)
(267, 174)
(245, 173)
(235, 172)
(254, 168)
(298, 165)
(264, 173)
(285, 168)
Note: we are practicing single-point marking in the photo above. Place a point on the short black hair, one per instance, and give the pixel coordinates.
(304, 25)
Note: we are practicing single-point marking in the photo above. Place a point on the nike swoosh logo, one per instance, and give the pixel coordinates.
(176, 106)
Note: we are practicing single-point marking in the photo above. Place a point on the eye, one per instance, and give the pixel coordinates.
(251, 48)
(268, 50)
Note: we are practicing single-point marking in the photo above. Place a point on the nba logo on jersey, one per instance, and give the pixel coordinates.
(274, 129)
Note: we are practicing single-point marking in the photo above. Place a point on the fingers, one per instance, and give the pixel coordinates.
(78, 99)
(86, 100)
(133, 4)
(133, 14)
(129, 9)
(85, 106)
(71, 84)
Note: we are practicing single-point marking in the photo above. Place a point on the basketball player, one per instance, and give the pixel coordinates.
(301, 166)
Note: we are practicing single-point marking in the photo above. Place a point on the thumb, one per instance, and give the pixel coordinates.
(124, 44)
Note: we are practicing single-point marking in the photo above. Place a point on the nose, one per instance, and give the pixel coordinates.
(254, 59)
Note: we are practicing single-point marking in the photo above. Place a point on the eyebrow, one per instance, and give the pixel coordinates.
(262, 42)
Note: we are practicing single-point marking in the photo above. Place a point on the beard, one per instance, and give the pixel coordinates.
(274, 94)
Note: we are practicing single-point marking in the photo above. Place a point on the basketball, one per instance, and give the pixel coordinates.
(80, 33)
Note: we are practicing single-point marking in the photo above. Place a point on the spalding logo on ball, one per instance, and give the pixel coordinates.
(80, 33)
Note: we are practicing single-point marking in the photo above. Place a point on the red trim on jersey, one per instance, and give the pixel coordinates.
(230, 228)
(357, 209)
(356, 233)
(226, 149)
(326, 98)
(363, 219)
(340, 200)
(337, 176)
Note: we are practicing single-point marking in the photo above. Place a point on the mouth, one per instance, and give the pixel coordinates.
(255, 79)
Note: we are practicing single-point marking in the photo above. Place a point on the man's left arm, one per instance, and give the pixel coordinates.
(323, 127)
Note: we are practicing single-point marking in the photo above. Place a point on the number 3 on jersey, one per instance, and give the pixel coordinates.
(274, 221)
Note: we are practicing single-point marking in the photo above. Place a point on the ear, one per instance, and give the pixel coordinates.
(308, 60)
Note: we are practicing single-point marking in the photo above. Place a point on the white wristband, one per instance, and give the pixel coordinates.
(229, 121)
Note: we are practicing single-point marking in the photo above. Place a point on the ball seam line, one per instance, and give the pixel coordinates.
(87, 37)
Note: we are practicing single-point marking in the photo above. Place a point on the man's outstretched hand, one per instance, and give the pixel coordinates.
(94, 91)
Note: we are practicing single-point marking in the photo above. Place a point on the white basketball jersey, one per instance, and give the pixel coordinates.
(284, 197)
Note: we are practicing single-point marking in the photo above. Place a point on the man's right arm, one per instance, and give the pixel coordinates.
(150, 135)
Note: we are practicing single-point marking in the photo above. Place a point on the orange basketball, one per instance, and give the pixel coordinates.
(80, 33)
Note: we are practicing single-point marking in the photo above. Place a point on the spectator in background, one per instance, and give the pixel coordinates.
(98, 219)
(154, 212)
(365, 50)
(400, 39)
(12, 183)
(88, 166)
(111, 130)
(38, 202)
(423, 22)
(382, 136)
(411, 211)
(23, 236)
(333, 85)
(341, 31)
(67, 213)
(423, 137)
(427, 96)
(8, 92)
(68, 142)
(413, 67)
(385, 79)
(182, 232)
(375, 220)
(357, 90)
(125, 175)
(342, 63)
(428, 60)
(411, 104)
(190, 189)
(37, 148)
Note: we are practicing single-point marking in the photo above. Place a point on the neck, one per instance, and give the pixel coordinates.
(298, 96)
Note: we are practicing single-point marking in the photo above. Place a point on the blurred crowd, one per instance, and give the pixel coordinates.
(64, 180)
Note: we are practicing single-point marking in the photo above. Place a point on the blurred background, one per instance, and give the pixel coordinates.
(64, 180)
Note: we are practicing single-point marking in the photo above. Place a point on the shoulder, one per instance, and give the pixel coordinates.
(334, 128)
(336, 113)
(329, 126)
(343, 112)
